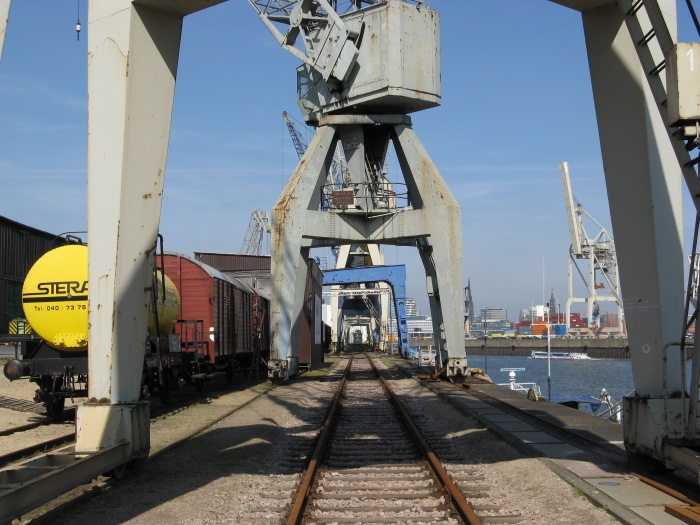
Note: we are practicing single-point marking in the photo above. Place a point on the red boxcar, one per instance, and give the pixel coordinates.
(224, 306)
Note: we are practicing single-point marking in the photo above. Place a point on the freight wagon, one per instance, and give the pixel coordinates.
(234, 317)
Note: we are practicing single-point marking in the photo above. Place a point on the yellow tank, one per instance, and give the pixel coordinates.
(55, 299)
(168, 307)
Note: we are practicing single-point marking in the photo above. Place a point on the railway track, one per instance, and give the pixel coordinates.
(373, 465)
(373, 470)
(60, 438)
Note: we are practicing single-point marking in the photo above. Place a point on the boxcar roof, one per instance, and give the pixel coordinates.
(212, 272)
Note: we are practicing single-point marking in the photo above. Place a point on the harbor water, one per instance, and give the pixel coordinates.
(569, 378)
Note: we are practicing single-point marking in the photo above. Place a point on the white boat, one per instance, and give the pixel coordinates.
(542, 354)
(531, 390)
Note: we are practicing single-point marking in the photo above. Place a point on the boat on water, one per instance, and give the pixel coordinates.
(542, 354)
(603, 406)
(531, 390)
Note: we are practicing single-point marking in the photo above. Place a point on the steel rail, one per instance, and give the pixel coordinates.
(49, 516)
(22, 428)
(668, 490)
(301, 499)
(44, 446)
(453, 494)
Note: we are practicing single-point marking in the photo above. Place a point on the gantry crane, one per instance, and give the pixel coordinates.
(600, 253)
(258, 227)
(335, 180)
(358, 86)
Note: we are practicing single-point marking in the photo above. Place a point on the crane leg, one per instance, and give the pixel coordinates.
(644, 190)
(290, 257)
(441, 252)
(133, 57)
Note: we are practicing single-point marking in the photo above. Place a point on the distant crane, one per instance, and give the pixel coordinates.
(335, 174)
(602, 258)
(258, 226)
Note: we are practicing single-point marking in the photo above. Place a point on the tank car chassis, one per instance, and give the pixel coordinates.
(59, 375)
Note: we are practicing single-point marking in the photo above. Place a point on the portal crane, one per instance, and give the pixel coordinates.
(340, 92)
(335, 180)
(600, 253)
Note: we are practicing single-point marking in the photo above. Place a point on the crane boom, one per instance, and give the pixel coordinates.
(574, 221)
(299, 143)
(4, 16)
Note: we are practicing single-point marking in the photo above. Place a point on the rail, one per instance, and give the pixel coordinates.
(451, 492)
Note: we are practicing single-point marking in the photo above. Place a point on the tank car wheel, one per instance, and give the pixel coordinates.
(54, 406)
(165, 388)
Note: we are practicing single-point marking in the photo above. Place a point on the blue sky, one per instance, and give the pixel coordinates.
(516, 101)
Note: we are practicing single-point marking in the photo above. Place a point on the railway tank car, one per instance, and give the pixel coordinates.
(208, 324)
(55, 299)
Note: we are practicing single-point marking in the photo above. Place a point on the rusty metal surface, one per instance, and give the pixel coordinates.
(299, 506)
(457, 499)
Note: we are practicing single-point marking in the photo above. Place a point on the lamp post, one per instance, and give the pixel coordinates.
(549, 364)
(486, 355)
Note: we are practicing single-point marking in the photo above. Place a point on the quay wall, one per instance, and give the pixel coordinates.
(596, 348)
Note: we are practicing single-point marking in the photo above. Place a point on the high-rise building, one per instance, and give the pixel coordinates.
(493, 314)
(411, 308)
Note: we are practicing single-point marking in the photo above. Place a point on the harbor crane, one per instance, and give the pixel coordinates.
(336, 172)
(600, 253)
(258, 227)
(370, 255)
(358, 82)
(358, 86)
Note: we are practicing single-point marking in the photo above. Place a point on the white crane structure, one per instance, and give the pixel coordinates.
(599, 252)
(338, 180)
(4, 15)
(258, 227)
(336, 172)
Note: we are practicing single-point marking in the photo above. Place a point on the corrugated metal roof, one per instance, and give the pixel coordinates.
(213, 272)
(235, 262)
(21, 246)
